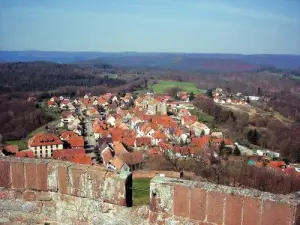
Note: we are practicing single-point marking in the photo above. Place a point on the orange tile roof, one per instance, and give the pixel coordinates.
(44, 140)
(159, 135)
(107, 156)
(201, 141)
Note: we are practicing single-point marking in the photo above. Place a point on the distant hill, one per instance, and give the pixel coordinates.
(179, 61)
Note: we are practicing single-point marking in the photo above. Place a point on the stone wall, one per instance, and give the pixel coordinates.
(35, 191)
(38, 191)
(176, 201)
(153, 173)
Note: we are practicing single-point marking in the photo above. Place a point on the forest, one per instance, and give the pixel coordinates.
(45, 76)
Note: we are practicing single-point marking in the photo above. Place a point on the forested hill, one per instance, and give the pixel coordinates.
(45, 76)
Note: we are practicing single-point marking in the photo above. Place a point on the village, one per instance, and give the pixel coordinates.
(121, 131)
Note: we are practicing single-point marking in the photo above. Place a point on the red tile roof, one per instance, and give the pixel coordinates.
(68, 154)
(11, 148)
(76, 142)
(159, 135)
(51, 102)
(27, 153)
(68, 134)
(143, 141)
(44, 140)
(119, 147)
(133, 158)
(82, 159)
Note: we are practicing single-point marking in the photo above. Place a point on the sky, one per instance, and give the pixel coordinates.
(195, 26)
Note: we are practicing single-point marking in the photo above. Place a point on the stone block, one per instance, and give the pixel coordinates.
(17, 173)
(275, 213)
(198, 204)
(233, 211)
(31, 175)
(181, 201)
(29, 195)
(251, 214)
(43, 196)
(4, 194)
(42, 176)
(77, 176)
(63, 180)
(215, 207)
(5, 180)
(52, 169)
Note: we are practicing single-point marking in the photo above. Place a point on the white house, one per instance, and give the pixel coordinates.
(42, 145)
(198, 128)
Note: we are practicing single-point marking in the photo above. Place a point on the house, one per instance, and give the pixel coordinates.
(64, 104)
(44, 144)
(119, 148)
(71, 107)
(106, 152)
(10, 149)
(158, 136)
(116, 163)
(67, 118)
(184, 112)
(156, 107)
(201, 142)
(217, 135)
(25, 154)
(253, 98)
(133, 159)
(52, 104)
(144, 129)
(68, 154)
(111, 120)
(200, 128)
(142, 143)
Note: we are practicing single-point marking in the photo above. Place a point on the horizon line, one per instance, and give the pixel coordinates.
(116, 52)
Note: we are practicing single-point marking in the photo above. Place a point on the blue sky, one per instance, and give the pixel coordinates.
(203, 26)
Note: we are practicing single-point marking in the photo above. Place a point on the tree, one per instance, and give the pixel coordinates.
(202, 133)
(236, 151)
(192, 96)
(222, 146)
(259, 91)
(248, 100)
(253, 136)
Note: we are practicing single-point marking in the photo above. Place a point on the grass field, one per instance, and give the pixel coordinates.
(163, 85)
(21, 143)
(141, 196)
(296, 77)
(203, 117)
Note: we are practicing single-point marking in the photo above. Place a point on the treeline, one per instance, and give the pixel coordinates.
(19, 117)
(44, 76)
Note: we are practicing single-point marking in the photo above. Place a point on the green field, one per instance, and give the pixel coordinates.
(21, 143)
(163, 85)
(140, 192)
(296, 77)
